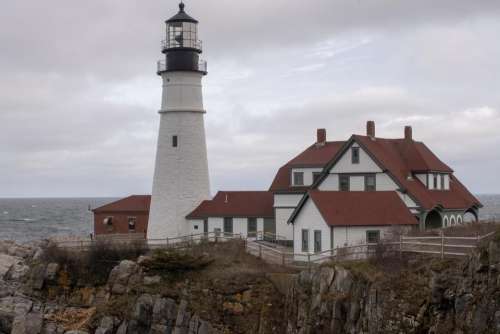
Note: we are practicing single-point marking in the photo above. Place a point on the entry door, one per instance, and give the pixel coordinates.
(269, 228)
(205, 226)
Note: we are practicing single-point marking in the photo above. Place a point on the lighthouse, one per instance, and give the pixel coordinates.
(181, 179)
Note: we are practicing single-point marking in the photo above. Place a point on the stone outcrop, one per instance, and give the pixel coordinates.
(450, 297)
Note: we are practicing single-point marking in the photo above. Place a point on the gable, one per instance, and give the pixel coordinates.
(344, 163)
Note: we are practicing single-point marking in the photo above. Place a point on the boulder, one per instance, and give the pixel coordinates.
(183, 319)
(151, 280)
(120, 275)
(6, 263)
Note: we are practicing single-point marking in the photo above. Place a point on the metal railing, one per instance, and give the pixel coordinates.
(187, 43)
(162, 66)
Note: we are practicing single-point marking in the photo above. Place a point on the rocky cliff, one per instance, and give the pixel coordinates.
(221, 289)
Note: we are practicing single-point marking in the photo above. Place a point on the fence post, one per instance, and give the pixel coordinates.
(400, 246)
(442, 245)
(167, 242)
(260, 251)
(282, 258)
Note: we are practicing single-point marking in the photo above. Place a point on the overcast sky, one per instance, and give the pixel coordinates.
(79, 94)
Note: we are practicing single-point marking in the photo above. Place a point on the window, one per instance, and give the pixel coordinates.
(355, 155)
(442, 181)
(435, 181)
(370, 183)
(195, 227)
(174, 141)
(108, 221)
(305, 240)
(317, 241)
(131, 223)
(252, 227)
(228, 226)
(298, 178)
(372, 237)
(205, 225)
(344, 182)
(316, 176)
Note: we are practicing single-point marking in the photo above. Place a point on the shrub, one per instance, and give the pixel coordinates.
(92, 266)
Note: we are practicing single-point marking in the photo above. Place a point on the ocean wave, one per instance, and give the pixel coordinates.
(19, 220)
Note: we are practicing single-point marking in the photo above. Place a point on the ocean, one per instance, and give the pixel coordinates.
(33, 219)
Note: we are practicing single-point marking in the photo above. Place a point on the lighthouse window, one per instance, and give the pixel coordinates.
(174, 141)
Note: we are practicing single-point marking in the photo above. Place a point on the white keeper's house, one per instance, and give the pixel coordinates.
(334, 193)
(338, 193)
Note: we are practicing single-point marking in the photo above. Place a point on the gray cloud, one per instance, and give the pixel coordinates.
(78, 92)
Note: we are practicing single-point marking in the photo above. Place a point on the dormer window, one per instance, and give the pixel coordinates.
(355, 155)
(435, 177)
(298, 178)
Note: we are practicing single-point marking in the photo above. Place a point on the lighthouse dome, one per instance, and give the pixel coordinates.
(181, 16)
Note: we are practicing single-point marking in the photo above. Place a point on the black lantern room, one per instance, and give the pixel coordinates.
(182, 46)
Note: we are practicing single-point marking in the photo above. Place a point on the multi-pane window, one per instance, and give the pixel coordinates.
(205, 225)
(182, 34)
(252, 227)
(344, 182)
(175, 141)
(131, 223)
(442, 181)
(298, 178)
(372, 237)
(370, 182)
(316, 176)
(435, 177)
(305, 240)
(355, 155)
(228, 225)
(317, 241)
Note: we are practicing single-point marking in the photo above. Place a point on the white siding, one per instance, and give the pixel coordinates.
(287, 200)
(282, 228)
(345, 165)
(310, 218)
(356, 235)
(357, 183)
(215, 222)
(240, 225)
(331, 182)
(196, 222)
(385, 183)
(422, 178)
(308, 174)
(447, 182)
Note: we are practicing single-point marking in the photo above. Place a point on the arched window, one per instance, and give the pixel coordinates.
(445, 221)
(452, 221)
(459, 220)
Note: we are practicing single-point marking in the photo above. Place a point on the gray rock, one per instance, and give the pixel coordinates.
(183, 319)
(343, 280)
(37, 277)
(106, 326)
(150, 280)
(76, 332)
(51, 271)
(143, 310)
(164, 311)
(6, 263)
(120, 275)
(122, 329)
(30, 323)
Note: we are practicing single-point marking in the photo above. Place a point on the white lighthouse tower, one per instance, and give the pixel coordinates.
(181, 178)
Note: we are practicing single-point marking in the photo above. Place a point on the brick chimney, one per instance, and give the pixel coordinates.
(408, 133)
(320, 137)
(370, 129)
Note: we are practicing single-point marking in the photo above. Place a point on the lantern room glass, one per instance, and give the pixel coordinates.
(182, 35)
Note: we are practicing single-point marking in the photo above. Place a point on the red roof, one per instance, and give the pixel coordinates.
(313, 156)
(403, 158)
(362, 208)
(134, 203)
(236, 204)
